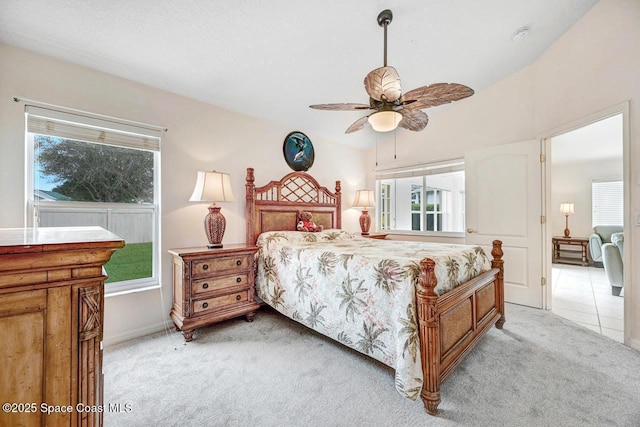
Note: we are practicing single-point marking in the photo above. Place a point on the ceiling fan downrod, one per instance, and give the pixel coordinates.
(384, 19)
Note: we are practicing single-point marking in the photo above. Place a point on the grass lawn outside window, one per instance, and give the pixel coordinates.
(134, 261)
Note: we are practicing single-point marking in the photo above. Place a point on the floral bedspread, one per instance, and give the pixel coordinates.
(359, 291)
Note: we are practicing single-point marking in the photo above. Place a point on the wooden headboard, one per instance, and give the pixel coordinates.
(275, 206)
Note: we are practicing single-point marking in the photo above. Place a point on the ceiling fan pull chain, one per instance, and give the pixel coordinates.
(395, 143)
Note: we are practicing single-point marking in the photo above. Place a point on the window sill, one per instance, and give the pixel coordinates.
(447, 234)
(130, 287)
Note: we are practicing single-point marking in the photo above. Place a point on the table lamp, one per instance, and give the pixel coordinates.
(213, 187)
(566, 209)
(364, 199)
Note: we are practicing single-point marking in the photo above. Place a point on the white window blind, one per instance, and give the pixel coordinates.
(422, 170)
(607, 201)
(60, 124)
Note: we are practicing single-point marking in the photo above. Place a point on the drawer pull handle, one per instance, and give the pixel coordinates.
(205, 267)
(205, 286)
(239, 279)
(238, 297)
(205, 305)
(239, 262)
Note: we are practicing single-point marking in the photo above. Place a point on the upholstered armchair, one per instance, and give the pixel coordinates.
(601, 235)
(612, 256)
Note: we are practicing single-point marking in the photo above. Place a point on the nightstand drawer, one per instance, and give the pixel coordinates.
(214, 265)
(220, 282)
(218, 302)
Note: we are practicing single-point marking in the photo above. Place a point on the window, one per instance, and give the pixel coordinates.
(87, 171)
(416, 207)
(384, 206)
(607, 203)
(427, 199)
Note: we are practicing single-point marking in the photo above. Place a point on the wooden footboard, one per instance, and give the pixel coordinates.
(451, 324)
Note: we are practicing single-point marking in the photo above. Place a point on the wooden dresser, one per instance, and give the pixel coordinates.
(211, 285)
(379, 236)
(51, 320)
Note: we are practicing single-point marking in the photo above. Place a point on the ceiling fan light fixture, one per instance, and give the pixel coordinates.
(385, 121)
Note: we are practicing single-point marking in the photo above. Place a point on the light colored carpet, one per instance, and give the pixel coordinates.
(540, 370)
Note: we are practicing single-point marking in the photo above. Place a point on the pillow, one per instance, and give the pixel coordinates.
(327, 235)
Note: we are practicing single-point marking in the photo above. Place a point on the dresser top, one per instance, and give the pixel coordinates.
(227, 249)
(21, 240)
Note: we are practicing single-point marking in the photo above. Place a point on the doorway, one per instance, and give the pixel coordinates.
(584, 161)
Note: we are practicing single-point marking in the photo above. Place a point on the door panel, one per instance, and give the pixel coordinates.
(503, 190)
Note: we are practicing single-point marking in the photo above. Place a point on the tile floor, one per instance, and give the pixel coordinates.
(583, 295)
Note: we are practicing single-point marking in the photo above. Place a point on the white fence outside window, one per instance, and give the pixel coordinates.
(134, 225)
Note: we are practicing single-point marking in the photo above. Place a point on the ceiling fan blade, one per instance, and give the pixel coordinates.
(359, 124)
(383, 82)
(414, 120)
(435, 94)
(340, 107)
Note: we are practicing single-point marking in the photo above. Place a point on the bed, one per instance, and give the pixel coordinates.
(380, 297)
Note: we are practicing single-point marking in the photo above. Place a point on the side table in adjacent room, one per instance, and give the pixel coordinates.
(560, 253)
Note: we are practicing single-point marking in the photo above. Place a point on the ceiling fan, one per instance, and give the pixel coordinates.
(390, 107)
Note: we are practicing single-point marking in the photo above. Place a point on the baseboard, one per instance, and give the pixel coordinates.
(634, 344)
(136, 333)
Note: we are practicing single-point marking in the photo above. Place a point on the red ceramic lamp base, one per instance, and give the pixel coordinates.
(365, 222)
(214, 226)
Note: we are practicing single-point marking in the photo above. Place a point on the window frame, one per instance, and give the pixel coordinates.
(33, 206)
(388, 179)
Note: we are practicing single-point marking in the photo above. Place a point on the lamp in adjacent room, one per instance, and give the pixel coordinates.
(364, 199)
(213, 187)
(566, 209)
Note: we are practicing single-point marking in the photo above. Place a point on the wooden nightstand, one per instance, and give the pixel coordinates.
(211, 285)
(379, 236)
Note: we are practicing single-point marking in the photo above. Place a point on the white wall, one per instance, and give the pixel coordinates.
(591, 68)
(572, 183)
(200, 137)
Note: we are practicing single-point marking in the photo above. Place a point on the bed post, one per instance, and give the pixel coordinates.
(339, 203)
(429, 330)
(250, 190)
(498, 263)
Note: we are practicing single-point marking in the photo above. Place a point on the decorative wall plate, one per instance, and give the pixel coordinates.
(298, 151)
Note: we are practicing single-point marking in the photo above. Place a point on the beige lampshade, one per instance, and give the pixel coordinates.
(385, 121)
(364, 199)
(566, 208)
(212, 187)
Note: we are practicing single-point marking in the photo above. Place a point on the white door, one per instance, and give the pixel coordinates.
(503, 196)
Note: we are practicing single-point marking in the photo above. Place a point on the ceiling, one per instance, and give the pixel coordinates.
(272, 59)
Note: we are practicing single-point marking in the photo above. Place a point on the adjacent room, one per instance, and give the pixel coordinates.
(320, 213)
(588, 277)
